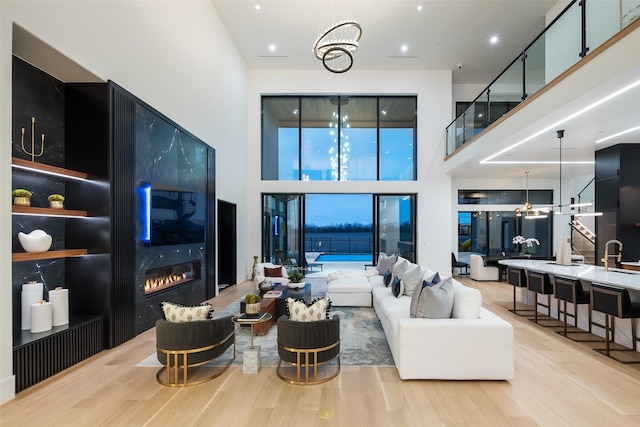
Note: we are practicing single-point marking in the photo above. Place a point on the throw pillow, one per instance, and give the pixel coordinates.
(400, 266)
(466, 302)
(385, 263)
(273, 272)
(436, 302)
(412, 278)
(415, 297)
(299, 311)
(181, 313)
(432, 281)
(397, 287)
(386, 279)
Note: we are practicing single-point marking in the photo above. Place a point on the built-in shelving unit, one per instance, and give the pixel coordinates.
(46, 169)
(33, 256)
(28, 210)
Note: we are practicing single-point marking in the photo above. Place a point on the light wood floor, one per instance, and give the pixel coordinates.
(557, 383)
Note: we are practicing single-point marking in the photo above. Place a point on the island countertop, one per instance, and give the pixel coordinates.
(589, 273)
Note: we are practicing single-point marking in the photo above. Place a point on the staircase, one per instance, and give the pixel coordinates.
(583, 241)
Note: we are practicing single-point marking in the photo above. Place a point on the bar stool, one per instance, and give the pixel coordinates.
(518, 278)
(615, 302)
(539, 283)
(570, 291)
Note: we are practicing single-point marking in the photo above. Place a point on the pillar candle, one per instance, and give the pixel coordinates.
(41, 316)
(59, 299)
(31, 293)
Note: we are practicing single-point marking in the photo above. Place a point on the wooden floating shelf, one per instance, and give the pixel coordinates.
(33, 256)
(47, 169)
(28, 210)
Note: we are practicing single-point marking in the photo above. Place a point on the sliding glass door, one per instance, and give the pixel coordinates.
(395, 225)
(339, 227)
(282, 234)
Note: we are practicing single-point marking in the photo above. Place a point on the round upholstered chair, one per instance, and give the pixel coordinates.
(304, 347)
(184, 347)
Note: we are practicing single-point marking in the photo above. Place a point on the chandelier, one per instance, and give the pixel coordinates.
(335, 46)
(528, 207)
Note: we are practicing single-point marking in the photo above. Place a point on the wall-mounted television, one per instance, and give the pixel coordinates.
(172, 216)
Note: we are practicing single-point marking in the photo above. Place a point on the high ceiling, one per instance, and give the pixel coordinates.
(441, 36)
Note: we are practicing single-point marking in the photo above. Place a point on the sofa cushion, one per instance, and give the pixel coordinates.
(467, 302)
(397, 287)
(299, 311)
(436, 302)
(180, 313)
(273, 272)
(354, 284)
(385, 263)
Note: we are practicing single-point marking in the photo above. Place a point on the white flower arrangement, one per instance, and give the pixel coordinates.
(526, 243)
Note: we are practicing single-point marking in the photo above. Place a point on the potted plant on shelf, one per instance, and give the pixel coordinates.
(21, 197)
(56, 201)
(296, 279)
(252, 304)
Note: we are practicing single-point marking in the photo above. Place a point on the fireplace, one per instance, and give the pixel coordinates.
(169, 277)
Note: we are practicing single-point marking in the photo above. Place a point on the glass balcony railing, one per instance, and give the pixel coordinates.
(580, 28)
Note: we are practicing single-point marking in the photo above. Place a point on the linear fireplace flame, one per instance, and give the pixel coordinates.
(161, 279)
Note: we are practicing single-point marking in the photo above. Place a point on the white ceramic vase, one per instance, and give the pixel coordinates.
(36, 241)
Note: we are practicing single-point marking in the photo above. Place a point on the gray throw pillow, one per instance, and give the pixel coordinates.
(415, 297)
(385, 263)
(436, 302)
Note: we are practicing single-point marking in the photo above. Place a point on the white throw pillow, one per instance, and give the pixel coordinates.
(300, 312)
(400, 266)
(466, 302)
(412, 278)
(180, 313)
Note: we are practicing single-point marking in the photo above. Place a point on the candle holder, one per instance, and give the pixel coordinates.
(33, 142)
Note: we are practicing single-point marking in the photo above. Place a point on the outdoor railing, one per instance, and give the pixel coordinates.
(339, 245)
(580, 28)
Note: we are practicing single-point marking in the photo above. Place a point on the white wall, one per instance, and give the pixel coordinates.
(174, 55)
(433, 89)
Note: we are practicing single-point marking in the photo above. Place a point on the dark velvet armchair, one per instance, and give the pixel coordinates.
(187, 346)
(304, 347)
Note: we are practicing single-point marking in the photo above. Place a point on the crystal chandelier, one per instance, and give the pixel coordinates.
(335, 46)
(339, 164)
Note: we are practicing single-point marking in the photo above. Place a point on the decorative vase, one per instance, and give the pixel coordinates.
(252, 309)
(56, 204)
(295, 285)
(36, 241)
(22, 201)
(265, 285)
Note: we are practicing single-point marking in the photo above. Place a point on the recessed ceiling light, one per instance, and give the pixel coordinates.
(493, 39)
(404, 48)
(257, 6)
(419, 8)
(272, 47)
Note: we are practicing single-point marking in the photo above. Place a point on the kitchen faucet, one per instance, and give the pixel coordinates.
(605, 260)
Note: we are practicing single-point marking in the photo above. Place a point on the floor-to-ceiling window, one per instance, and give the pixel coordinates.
(339, 138)
(298, 229)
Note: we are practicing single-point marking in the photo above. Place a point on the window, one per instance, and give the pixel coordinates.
(339, 138)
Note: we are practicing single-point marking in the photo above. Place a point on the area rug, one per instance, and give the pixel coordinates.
(362, 340)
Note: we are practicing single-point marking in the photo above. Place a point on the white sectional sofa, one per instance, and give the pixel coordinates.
(473, 344)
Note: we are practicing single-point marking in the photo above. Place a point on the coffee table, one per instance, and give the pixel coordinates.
(281, 301)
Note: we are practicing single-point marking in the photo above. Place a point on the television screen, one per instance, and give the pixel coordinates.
(174, 216)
